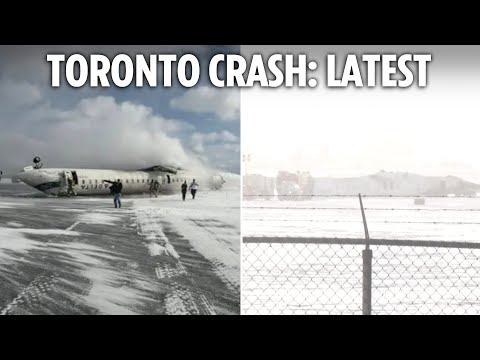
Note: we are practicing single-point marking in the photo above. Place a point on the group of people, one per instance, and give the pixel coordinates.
(154, 186)
(193, 189)
(116, 190)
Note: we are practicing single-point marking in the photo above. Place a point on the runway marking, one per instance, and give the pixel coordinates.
(70, 228)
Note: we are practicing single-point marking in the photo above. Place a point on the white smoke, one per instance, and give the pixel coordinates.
(224, 103)
(98, 132)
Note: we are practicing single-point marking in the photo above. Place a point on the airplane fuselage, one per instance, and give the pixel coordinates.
(92, 181)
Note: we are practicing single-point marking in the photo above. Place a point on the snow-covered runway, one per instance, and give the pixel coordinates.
(154, 256)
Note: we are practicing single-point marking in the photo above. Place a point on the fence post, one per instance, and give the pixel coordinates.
(367, 256)
(364, 218)
(367, 282)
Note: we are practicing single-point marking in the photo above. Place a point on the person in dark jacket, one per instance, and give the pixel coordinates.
(184, 190)
(153, 188)
(116, 190)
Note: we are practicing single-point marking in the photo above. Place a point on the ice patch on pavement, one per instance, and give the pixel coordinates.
(5, 233)
(98, 218)
(155, 249)
(10, 205)
(41, 231)
(15, 224)
(13, 240)
(107, 294)
(149, 227)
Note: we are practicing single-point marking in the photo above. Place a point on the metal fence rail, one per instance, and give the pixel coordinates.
(284, 275)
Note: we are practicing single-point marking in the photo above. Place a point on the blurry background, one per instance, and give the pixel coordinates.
(332, 132)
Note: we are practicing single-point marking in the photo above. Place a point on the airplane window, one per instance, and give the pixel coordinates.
(96, 181)
(126, 181)
(138, 181)
(143, 181)
(83, 182)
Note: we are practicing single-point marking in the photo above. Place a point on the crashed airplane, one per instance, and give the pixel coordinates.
(94, 181)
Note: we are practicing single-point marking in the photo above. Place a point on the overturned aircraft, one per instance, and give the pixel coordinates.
(94, 181)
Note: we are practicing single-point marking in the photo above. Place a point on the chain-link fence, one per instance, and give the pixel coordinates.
(346, 276)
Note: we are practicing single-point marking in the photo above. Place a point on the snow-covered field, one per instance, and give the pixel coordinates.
(447, 219)
(319, 279)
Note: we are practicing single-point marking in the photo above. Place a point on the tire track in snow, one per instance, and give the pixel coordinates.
(225, 273)
(164, 271)
(31, 295)
(180, 301)
(222, 272)
(151, 229)
(37, 288)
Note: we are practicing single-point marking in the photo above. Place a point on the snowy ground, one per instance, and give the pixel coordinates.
(447, 219)
(319, 279)
(154, 256)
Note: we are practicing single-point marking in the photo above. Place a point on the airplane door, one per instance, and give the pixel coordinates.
(66, 175)
(75, 177)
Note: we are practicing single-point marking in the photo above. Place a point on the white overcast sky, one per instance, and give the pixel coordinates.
(349, 132)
